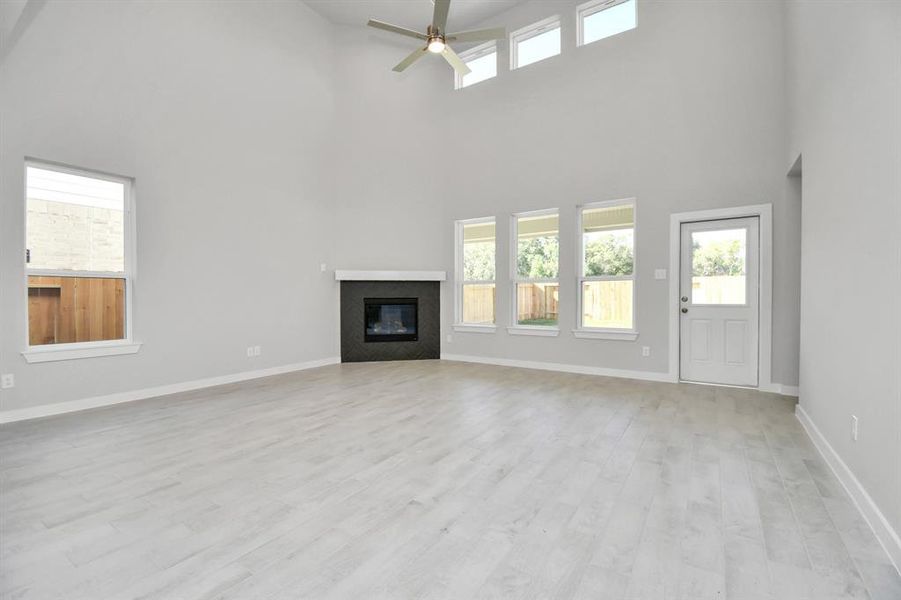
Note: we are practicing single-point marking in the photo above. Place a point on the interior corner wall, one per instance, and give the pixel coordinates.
(845, 106)
(223, 112)
(686, 112)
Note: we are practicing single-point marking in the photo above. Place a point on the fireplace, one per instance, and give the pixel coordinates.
(390, 319)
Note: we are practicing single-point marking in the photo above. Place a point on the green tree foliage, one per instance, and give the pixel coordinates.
(609, 254)
(538, 258)
(717, 258)
(478, 261)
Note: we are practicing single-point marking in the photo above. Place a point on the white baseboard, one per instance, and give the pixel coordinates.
(883, 530)
(561, 367)
(775, 388)
(46, 410)
(779, 388)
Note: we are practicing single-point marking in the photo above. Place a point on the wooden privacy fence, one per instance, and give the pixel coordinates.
(536, 301)
(607, 304)
(478, 303)
(604, 304)
(718, 289)
(75, 309)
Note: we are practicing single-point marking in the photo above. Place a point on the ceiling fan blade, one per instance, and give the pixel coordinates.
(451, 57)
(439, 17)
(396, 29)
(414, 56)
(478, 35)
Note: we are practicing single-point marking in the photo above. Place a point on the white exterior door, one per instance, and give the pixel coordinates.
(718, 301)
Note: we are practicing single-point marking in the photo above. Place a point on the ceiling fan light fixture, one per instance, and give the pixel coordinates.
(436, 38)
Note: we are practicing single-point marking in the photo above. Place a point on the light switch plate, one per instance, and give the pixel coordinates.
(659, 273)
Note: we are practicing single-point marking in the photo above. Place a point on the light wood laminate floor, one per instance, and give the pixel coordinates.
(435, 480)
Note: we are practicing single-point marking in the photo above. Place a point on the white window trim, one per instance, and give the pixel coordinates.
(530, 31)
(127, 345)
(459, 279)
(515, 328)
(592, 8)
(475, 54)
(606, 333)
(56, 352)
(470, 328)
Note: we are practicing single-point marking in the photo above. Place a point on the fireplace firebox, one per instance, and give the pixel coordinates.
(390, 320)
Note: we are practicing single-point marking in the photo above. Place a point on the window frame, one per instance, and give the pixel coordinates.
(593, 7)
(74, 350)
(515, 328)
(480, 51)
(609, 333)
(460, 278)
(528, 32)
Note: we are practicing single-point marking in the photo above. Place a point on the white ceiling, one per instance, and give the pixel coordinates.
(414, 14)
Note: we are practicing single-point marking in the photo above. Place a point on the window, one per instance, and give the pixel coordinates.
(476, 272)
(601, 19)
(534, 43)
(607, 266)
(719, 267)
(535, 268)
(78, 231)
(482, 60)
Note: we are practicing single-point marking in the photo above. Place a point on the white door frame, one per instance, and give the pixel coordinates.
(765, 343)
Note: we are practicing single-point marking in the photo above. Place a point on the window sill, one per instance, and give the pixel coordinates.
(76, 351)
(534, 330)
(605, 334)
(472, 328)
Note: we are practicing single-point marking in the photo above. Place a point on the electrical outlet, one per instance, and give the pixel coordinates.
(249, 351)
(450, 339)
(853, 428)
(322, 267)
(7, 381)
(645, 350)
(257, 350)
(659, 273)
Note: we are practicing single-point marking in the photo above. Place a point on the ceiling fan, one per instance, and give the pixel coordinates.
(437, 39)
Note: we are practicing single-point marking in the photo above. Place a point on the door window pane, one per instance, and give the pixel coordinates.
(536, 303)
(607, 304)
(719, 266)
(64, 310)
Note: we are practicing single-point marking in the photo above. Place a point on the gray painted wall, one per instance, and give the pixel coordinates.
(255, 162)
(845, 107)
(685, 113)
(221, 112)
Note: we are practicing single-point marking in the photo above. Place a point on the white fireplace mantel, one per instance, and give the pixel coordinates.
(341, 275)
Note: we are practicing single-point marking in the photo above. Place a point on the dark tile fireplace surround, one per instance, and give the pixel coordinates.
(390, 320)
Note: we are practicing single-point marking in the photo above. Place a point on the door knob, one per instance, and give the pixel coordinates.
(684, 298)
(685, 310)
